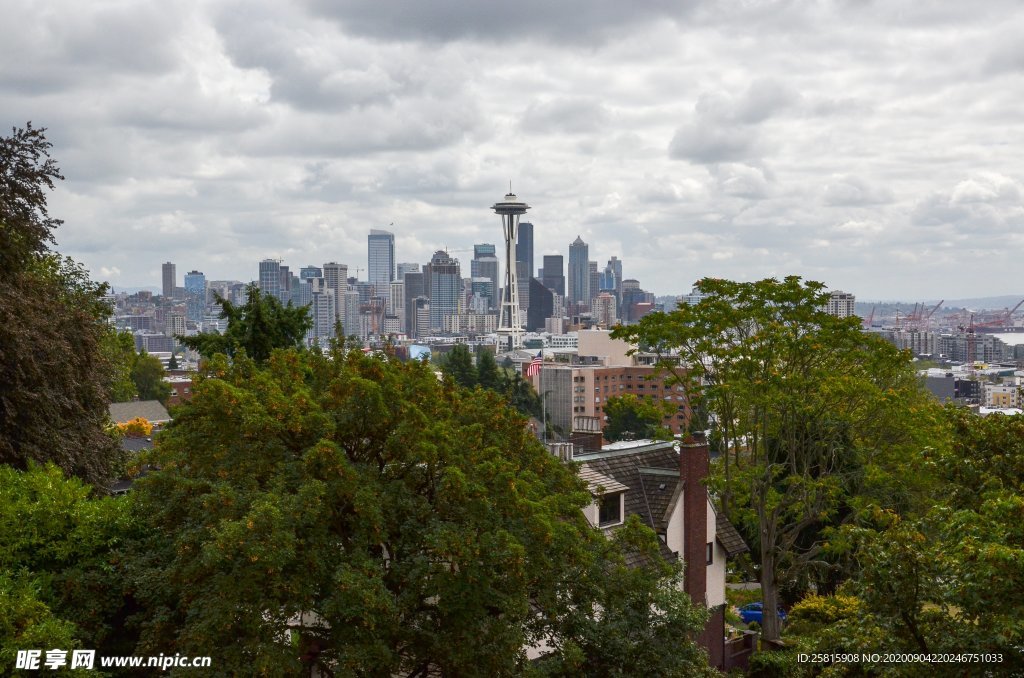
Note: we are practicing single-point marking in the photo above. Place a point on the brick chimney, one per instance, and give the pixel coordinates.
(693, 470)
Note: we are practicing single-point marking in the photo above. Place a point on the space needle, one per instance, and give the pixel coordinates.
(509, 323)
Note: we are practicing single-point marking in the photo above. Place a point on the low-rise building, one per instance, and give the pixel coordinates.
(662, 483)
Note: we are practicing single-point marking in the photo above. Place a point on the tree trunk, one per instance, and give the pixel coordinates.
(770, 627)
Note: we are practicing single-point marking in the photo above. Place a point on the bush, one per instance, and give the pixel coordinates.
(775, 664)
(136, 428)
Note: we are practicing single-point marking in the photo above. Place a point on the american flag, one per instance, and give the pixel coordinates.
(535, 365)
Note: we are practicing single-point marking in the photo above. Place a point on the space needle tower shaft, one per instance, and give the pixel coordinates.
(509, 324)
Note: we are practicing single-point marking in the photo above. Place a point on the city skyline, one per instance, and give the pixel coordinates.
(872, 147)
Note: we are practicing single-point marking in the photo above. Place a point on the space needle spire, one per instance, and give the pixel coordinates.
(509, 322)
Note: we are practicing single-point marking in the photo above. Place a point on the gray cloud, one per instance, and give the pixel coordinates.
(866, 144)
(573, 21)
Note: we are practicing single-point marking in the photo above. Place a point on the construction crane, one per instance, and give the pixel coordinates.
(928, 318)
(871, 317)
(1005, 320)
(972, 346)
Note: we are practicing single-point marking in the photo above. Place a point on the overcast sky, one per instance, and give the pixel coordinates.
(875, 146)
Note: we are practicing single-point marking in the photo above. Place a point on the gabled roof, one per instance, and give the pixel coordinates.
(600, 484)
(150, 410)
(729, 537)
(643, 470)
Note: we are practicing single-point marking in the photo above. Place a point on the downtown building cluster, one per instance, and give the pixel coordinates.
(440, 300)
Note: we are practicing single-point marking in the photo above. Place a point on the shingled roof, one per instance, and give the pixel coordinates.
(644, 470)
(729, 537)
(150, 410)
(650, 474)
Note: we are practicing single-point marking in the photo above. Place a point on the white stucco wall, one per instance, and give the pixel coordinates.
(716, 570)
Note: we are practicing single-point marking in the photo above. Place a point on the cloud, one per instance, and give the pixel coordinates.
(849, 190)
(565, 116)
(724, 128)
(572, 21)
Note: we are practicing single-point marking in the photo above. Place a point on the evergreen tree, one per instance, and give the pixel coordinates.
(458, 363)
(487, 374)
(257, 327)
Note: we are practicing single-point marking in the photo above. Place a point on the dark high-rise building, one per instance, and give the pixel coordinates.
(445, 288)
(485, 265)
(524, 247)
(413, 291)
(554, 274)
(595, 280)
(542, 305)
(579, 274)
(169, 279)
(270, 278)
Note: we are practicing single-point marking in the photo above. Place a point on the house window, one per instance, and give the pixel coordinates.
(610, 512)
(711, 552)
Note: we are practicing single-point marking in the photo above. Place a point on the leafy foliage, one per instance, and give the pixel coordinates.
(394, 523)
(257, 327)
(26, 170)
(806, 406)
(458, 362)
(148, 375)
(948, 579)
(55, 377)
(60, 584)
(632, 418)
(137, 428)
(487, 373)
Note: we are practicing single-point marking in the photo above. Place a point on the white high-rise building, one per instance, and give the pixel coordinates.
(841, 304)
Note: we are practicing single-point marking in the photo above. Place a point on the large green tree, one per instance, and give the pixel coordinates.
(356, 513)
(61, 582)
(806, 406)
(630, 417)
(257, 327)
(148, 375)
(55, 376)
(950, 577)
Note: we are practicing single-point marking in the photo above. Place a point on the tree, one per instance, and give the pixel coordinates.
(630, 417)
(949, 577)
(458, 363)
(119, 350)
(55, 376)
(258, 327)
(172, 364)
(487, 374)
(804, 402)
(148, 375)
(61, 581)
(26, 170)
(397, 525)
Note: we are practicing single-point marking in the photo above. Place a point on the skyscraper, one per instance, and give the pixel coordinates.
(554, 273)
(485, 265)
(524, 248)
(406, 268)
(613, 275)
(413, 291)
(169, 279)
(579, 274)
(380, 269)
(195, 295)
(595, 280)
(270, 278)
(336, 278)
(445, 288)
